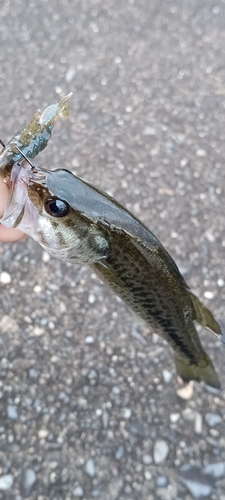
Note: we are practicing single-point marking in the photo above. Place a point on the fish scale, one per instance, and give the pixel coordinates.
(143, 293)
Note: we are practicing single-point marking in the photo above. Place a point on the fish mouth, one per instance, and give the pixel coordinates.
(20, 212)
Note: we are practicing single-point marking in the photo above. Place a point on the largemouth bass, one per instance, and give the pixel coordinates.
(76, 222)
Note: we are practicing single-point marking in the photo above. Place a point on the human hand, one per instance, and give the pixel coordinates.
(7, 234)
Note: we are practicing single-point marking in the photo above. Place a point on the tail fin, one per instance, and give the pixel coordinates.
(205, 317)
(202, 371)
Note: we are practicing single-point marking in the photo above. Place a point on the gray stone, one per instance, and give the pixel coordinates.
(69, 334)
(199, 484)
(167, 376)
(27, 483)
(217, 470)
(148, 475)
(161, 481)
(126, 412)
(12, 412)
(78, 492)
(92, 374)
(33, 374)
(135, 333)
(198, 423)
(6, 482)
(137, 429)
(105, 419)
(213, 419)
(119, 453)
(89, 339)
(90, 467)
(147, 459)
(161, 451)
(95, 493)
(116, 390)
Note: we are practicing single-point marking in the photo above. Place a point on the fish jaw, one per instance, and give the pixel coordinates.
(20, 213)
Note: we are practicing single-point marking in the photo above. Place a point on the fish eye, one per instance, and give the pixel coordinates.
(56, 207)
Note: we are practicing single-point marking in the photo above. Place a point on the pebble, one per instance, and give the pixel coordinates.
(5, 278)
(69, 334)
(45, 257)
(210, 236)
(12, 412)
(208, 295)
(198, 483)
(42, 433)
(136, 335)
(217, 470)
(70, 74)
(116, 390)
(148, 475)
(33, 373)
(188, 414)
(95, 493)
(167, 376)
(6, 482)
(213, 419)
(137, 429)
(27, 483)
(92, 374)
(183, 162)
(78, 492)
(53, 464)
(161, 481)
(200, 153)
(89, 339)
(147, 459)
(127, 412)
(149, 131)
(119, 453)
(91, 298)
(38, 331)
(105, 419)
(174, 417)
(210, 389)
(90, 467)
(161, 451)
(198, 423)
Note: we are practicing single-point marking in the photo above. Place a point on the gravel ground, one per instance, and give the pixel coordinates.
(89, 404)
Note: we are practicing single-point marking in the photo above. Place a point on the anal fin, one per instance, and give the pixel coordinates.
(204, 317)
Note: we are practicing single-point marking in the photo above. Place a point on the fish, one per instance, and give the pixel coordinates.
(78, 223)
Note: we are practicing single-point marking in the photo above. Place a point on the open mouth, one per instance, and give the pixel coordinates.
(22, 175)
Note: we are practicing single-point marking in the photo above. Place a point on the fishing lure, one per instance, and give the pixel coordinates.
(30, 141)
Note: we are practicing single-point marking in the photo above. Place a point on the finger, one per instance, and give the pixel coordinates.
(7, 235)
